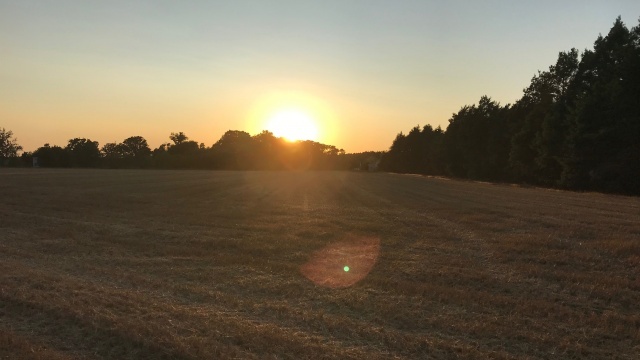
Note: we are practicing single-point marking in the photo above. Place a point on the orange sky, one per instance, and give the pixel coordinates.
(363, 70)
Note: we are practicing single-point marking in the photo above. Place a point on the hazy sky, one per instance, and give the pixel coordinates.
(365, 70)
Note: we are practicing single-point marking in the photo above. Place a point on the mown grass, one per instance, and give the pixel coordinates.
(187, 264)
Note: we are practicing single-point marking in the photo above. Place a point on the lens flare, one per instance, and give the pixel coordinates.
(326, 266)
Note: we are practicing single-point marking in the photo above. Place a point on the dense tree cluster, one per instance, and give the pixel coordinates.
(236, 150)
(577, 126)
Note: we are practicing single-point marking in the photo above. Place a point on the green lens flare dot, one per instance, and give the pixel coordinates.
(346, 269)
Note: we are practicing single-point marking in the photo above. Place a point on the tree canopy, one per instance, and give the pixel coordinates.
(9, 147)
(576, 126)
(235, 150)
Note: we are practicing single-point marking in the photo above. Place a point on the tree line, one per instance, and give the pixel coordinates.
(235, 150)
(576, 126)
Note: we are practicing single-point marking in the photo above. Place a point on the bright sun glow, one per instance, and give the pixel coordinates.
(293, 115)
(293, 124)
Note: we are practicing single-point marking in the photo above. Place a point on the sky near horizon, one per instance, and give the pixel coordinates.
(363, 70)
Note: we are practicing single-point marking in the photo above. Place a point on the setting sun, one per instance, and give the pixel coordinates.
(293, 114)
(293, 124)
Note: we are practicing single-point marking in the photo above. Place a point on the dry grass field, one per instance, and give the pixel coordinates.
(115, 264)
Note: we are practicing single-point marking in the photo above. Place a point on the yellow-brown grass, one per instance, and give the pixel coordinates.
(189, 264)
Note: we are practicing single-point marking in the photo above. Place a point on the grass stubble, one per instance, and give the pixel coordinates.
(115, 264)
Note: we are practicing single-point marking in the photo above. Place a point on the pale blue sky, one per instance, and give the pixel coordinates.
(365, 69)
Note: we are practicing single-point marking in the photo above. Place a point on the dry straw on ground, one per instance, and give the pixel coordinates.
(185, 265)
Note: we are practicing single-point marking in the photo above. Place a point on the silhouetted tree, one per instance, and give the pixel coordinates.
(26, 159)
(538, 143)
(183, 153)
(83, 152)
(234, 151)
(476, 143)
(184, 148)
(431, 150)
(52, 156)
(603, 146)
(267, 150)
(112, 155)
(9, 147)
(136, 147)
(395, 160)
(178, 138)
(160, 156)
(577, 125)
(551, 140)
